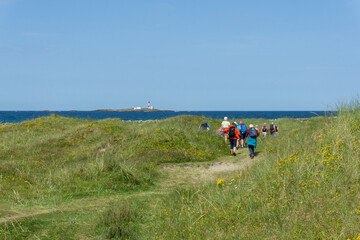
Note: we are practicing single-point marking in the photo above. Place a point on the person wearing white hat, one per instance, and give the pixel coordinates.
(252, 134)
(225, 128)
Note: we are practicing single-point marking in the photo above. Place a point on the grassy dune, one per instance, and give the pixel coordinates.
(66, 178)
(61, 158)
(306, 187)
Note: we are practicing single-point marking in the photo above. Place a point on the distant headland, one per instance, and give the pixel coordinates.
(132, 110)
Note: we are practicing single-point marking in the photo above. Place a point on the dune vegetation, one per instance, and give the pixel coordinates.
(68, 178)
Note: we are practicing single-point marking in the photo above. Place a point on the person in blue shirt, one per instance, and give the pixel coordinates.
(204, 126)
(243, 134)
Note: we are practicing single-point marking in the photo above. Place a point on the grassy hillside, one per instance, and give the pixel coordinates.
(59, 158)
(306, 187)
(66, 178)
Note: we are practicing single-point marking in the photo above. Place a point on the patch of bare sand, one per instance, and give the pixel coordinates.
(193, 173)
(229, 166)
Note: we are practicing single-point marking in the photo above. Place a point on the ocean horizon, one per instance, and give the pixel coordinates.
(20, 116)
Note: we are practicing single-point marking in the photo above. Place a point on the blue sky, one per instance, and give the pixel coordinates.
(181, 55)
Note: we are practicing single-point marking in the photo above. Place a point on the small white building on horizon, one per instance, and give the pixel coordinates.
(148, 107)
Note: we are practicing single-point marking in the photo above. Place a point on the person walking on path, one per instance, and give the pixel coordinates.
(225, 128)
(272, 129)
(264, 130)
(239, 128)
(204, 126)
(276, 130)
(233, 136)
(243, 134)
(252, 135)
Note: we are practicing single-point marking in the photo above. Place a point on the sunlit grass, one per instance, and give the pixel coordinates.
(306, 187)
(304, 183)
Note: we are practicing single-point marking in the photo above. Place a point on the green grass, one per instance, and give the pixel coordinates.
(59, 158)
(307, 187)
(105, 180)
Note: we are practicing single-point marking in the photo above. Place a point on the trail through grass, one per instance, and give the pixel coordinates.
(175, 175)
(81, 179)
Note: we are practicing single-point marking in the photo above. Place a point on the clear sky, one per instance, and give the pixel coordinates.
(181, 55)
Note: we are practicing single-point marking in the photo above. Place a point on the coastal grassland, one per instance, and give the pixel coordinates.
(305, 187)
(68, 178)
(51, 159)
(58, 175)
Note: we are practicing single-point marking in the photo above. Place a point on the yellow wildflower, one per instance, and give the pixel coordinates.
(220, 181)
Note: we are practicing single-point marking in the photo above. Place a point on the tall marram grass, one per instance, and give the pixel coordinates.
(118, 221)
(54, 161)
(54, 158)
(305, 187)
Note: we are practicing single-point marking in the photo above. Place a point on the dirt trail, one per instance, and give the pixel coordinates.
(197, 173)
(81, 204)
(175, 175)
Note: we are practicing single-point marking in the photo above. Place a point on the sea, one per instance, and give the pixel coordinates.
(20, 116)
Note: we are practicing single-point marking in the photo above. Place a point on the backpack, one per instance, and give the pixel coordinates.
(204, 125)
(253, 133)
(220, 131)
(272, 128)
(232, 132)
(264, 129)
(243, 128)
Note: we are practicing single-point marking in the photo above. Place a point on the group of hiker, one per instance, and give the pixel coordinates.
(274, 129)
(240, 134)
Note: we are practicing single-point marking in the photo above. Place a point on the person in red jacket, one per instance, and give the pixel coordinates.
(234, 135)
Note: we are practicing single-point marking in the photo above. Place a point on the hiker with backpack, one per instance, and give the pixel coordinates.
(252, 135)
(264, 130)
(242, 134)
(225, 128)
(204, 126)
(276, 130)
(272, 129)
(257, 128)
(239, 128)
(233, 133)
